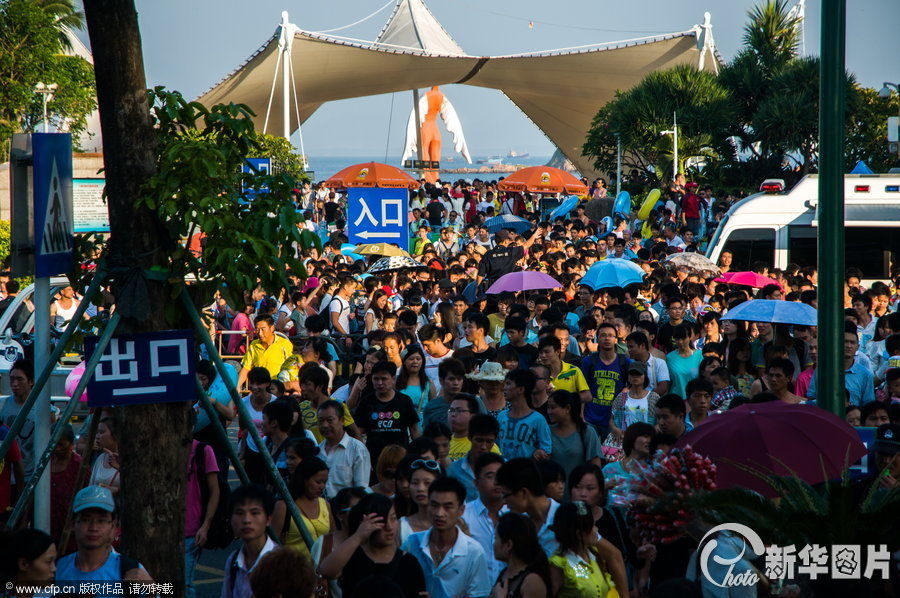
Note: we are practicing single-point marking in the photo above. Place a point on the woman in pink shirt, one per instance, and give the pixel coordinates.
(806, 376)
(237, 342)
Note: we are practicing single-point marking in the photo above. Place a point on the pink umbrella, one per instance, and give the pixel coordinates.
(775, 439)
(749, 279)
(523, 281)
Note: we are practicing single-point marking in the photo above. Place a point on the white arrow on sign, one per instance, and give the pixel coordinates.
(369, 234)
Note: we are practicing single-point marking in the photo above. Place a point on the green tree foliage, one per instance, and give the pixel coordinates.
(642, 113)
(73, 101)
(199, 187)
(284, 159)
(867, 130)
(31, 36)
(5, 243)
(64, 17)
(771, 35)
(758, 118)
(786, 121)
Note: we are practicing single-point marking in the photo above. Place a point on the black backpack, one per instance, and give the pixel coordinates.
(220, 534)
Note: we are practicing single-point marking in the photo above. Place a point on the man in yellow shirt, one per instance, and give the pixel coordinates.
(462, 409)
(563, 376)
(269, 350)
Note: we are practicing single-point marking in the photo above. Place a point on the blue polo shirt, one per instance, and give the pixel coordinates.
(859, 382)
(462, 471)
(461, 574)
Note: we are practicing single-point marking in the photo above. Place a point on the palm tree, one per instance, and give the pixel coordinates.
(65, 17)
(703, 108)
(772, 34)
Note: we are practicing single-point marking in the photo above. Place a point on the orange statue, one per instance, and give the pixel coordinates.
(432, 105)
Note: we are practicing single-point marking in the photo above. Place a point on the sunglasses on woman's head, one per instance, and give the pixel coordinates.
(429, 464)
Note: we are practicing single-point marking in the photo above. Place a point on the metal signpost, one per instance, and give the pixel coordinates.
(376, 214)
(42, 244)
(830, 370)
(137, 369)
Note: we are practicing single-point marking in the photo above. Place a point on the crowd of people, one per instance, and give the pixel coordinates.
(436, 438)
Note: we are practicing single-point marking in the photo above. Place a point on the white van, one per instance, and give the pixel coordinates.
(781, 228)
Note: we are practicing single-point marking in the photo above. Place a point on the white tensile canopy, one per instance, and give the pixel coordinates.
(560, 90)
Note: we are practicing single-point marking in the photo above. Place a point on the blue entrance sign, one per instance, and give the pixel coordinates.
(136, 369)
(256, 166)
(376, 215)
(53, 221)
(866, 465)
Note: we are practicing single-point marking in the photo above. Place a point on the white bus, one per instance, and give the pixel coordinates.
(780, 228)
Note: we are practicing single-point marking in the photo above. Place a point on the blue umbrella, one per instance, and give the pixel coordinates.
(347, 249)
(773, 311)
(612, 272)
(565, 207)
(520, 225)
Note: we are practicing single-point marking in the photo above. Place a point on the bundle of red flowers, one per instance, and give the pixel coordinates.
(660, 509)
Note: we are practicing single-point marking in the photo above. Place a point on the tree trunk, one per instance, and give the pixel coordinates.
(154, 438)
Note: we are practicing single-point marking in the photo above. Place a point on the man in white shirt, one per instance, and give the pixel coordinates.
(481, 515)
(348, 460)
(339, 307)
(508, 206)
(657, 371)
(453, 563)
(672, 238)
(486, 202)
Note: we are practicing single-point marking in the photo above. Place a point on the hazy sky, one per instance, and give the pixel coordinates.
(190, 45)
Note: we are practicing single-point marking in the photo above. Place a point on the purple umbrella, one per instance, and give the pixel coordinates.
(523, 281)
(775, 439)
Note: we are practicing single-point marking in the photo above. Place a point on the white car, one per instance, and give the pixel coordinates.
(18, 331)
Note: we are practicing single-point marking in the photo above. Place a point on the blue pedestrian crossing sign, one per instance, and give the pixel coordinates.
(53, 221)
(376, 215)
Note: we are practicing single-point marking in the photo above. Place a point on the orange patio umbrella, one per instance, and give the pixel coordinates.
(372, 174)
(543, 179)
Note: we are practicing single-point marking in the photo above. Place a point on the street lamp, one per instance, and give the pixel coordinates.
(674, 133)
(885, 94)
(46, 90)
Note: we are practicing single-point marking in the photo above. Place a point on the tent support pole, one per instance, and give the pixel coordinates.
(618, 164)
(420, 151)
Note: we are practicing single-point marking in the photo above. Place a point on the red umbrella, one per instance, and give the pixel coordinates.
(775, 439)
(749, 279)
(371, 174)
